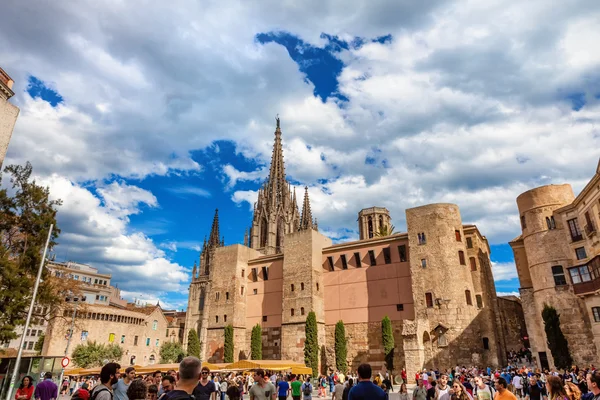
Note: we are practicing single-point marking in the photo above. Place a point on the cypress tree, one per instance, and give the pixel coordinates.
(193, 347)
(557, 343)
(388, 342)
(340, 347)
(311, 344)
(228, 353)
(256, 343)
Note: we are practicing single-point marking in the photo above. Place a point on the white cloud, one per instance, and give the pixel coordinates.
(234, 175)
(504, 271)
(517, 294)
(190, 190)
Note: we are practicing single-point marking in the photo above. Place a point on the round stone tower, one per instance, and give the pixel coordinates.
(371, 220)
(542, 264)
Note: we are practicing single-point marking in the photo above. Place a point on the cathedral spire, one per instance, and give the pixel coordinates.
(277, 182)
(246, 237)
(214, 239)
(306, 220)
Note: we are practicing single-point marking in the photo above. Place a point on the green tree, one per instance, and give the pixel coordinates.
(193, 347)
(385, 230)
(340, 347)
(39, 345)
(171, 352)
(256, 343)
(228, 352)
(26, 213)
(557, 343)
(93, 354)
(311, 344)
(388, 342)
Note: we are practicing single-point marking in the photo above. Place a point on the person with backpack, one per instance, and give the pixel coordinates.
(109, 375)
(307, 389)
(82, 393)
(482, 391)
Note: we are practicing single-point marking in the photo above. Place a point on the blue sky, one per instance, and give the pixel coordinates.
(145, 132)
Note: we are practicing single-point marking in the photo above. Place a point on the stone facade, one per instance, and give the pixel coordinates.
(434, 282)
(138, 330)
(512, 323)
(8, 113)
(558, 264)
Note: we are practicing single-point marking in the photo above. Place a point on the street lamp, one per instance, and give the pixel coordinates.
(76, 300)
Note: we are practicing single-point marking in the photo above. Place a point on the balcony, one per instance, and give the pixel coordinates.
(576, 238)
(589, 282)
(590, 230)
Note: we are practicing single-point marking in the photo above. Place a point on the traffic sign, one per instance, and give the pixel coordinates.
(64, 362)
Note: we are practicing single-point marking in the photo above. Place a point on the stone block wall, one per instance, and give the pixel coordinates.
(8, 118)
(513, 322)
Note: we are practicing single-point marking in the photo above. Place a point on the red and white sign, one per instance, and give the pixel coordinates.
(65, 362)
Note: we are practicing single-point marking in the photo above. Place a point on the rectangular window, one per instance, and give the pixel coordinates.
(596, 312)
(264, 318)
(28, 332)
(265, 271)
(224, 318)
(486, 343)
(122, 339)
(217, 295)
(468, 297)
(457, 235)
(589, 222)
(402, 253)
(34, 332)
(344, 261)
(372, 257)
(461, 257)
(479, 301)
(523, 222)
(574, 229)
(386, 255)
(255, 291)
(399, 307)
(135, 340)
(580, 274)
(473, 263)
(242, 291)
(559, 275)
(357, 260)
(421, 238)
(243, 273)
(469, 243)
(84, 335)
(30, 345)
(580, 253)
(423, 263)
(254, 274)
(217, 319)
(167, 334)
(429, 300)
(226, 295)
(330, 263)
(147, 341)
(111, 337)
(157, 341)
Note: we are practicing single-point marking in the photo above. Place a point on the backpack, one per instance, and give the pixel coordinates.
(96, 392)
(307, 389)
(76, 395)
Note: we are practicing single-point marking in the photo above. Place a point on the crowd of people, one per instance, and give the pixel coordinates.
(195, 382)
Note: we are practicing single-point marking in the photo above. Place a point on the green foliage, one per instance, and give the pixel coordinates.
(228, 353)
(171, 352)
(193, 347)
(557, 343)
(39, 345)
(26, 214)
(93, 354)
(385, 230)
(388, 342)
(256, 343)
(311, 344)
(340, 348)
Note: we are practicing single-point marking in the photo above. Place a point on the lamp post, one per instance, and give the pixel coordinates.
(13, 379)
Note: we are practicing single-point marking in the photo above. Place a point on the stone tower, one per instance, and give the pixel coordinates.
(371, 220)
(8, 113)
(542, 256)
(200, 287)
(276, 209)
(448, 328)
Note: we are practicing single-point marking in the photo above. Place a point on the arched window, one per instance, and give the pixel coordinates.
(292, 312)
(154, 325)
(380, 222)
(263, 233)
(468, 297)
(441, 338)
(302, 286)
(550, 222)
(370, 227)
(301, 310)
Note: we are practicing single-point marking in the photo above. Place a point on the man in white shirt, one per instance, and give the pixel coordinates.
(442, 390)
(518, 385)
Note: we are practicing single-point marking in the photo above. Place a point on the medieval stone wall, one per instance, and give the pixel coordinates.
(513, 322)
(8, 118)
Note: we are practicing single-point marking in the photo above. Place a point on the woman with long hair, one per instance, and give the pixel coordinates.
(404, 392)
(459, 392)
(572, 391)
(347, 389)
(555, 389)
(25, 391)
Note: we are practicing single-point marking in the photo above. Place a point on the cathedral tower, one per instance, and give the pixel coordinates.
(276, 209)
(372, 221)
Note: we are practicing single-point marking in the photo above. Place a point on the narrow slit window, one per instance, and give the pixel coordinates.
(344, 261)
(402, 253)
(330, 262)
(386, 255)
(357, 260)
(372, 257)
